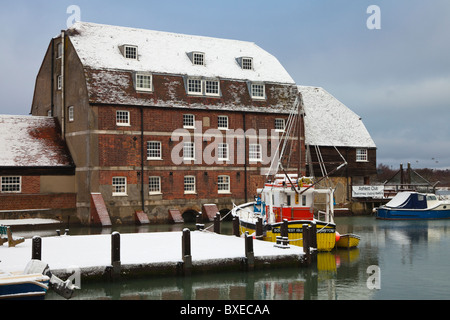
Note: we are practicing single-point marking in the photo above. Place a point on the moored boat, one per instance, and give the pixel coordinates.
(348, 241)
(292, 200)
(23, 286)
(414, 206)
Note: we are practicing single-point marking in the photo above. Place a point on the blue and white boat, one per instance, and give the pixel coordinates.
(415, 206)
(23, 286)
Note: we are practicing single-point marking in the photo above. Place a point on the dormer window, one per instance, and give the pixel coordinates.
(257, 91)
(130, 52)
(247, 64)
(144, 82)
(197, 58)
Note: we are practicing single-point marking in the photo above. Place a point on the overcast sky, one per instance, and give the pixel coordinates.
(396, 78)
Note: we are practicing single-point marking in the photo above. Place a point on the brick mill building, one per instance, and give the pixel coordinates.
(134, 108)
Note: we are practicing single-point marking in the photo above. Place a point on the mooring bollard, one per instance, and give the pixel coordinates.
(249, 254)
(259, 228)
(285, 229)
(217, 223)
(186, 251)
(115, 254)
(236, 223)
(313, 235)
(36, 249)
(306, 242)
(199, 222)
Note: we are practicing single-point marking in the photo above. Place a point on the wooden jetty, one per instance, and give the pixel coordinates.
(108, 257)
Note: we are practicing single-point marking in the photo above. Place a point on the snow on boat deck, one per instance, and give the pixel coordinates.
(92, 254)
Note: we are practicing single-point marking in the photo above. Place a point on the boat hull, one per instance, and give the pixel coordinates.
(24, 287)
(326, 233)
(348, 241)
(408, 214)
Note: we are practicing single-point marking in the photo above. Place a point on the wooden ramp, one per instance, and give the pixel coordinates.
(176, 216)
(209, 211)
(99, 213)
(141, 218)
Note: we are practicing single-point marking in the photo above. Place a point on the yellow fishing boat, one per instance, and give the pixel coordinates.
(292, 200)
(348, 241)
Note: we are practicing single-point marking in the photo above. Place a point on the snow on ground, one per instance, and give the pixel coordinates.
(28, 222)
(86, 252)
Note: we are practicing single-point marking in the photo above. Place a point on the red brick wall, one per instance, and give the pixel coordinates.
(37, 201)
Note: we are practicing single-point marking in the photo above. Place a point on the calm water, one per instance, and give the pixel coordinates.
(412, 259)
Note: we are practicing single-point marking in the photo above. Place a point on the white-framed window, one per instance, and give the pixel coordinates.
(70, 112)
(255, 152)
(362, 155)
(189, 151)
(195, 86)
(223, 152)
(188, 121)
(154, 185)
(189, 184)
(11, 184)
(222, 123)
(198, 58)
(144, 82)
(223, 183)
(212, 88)
(247, 63)
(280, 125)
(119, 186)
(131, 52)
(122, 118)
(258, 91)
(154, 150)
(59, 82)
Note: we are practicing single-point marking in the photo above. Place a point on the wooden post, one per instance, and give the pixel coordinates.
(236, 223)
(313, 235)
(306, 242)
(217, 223)
(115, 255)
(199, 222)
(36, 249)
(249, 254)
(259, 228)
(186, 252)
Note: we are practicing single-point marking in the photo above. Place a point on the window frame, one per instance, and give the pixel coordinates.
(149, 150)
(128, 55)
(192, 183)
(190, 86)
(187, 146)
(219, 123)
(277, 120)
(188, 126)
(123, 124)
(227, 184)
(246, 62)
(198, 58)
(362, 155)
(9, 184)
(116, 193)
(71, 113)
(211, 81)
(150, 192)
(258, 152)
(220, 148)
(137, 81)
(253, 85)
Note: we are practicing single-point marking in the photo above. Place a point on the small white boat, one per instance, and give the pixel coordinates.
(24, 286)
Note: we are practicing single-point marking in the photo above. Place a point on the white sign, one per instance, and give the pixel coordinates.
(368, 192)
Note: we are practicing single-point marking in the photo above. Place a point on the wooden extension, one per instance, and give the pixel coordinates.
(12, 241)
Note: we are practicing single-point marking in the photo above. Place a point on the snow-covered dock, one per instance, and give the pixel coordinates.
(146, 254)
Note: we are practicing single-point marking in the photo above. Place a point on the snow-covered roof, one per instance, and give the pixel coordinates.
(27, 141)
(98, 47)
(328, 122)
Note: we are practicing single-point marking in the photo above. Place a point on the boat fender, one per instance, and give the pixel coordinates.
(338, 236)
